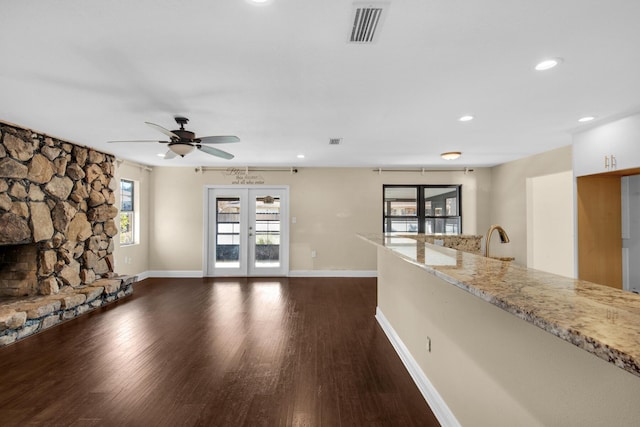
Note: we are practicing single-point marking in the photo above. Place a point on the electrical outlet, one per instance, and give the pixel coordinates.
(314, 254)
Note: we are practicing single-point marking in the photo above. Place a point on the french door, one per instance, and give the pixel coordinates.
(247, 231)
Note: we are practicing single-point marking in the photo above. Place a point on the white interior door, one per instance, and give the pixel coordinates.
(247, 229)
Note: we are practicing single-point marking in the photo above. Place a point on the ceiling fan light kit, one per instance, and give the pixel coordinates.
(182, 142)
(181, 149)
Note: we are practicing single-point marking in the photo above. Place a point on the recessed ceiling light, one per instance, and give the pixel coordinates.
(300, 156)
(586, 119)
(259, 1)
(466, 118)
(548, 64)
(451, 155)
(160, 155)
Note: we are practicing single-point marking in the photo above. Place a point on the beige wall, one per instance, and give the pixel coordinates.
(550, 223)
(134, 259)
(330, 206)
(508, 205)
(494, 369)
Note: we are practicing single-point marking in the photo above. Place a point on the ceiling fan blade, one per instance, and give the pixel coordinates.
(141, 140)
(163, 130)
(215, 152)
(220, 139)
(169, 155)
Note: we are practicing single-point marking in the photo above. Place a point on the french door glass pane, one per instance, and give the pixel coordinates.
(267, 232)
(227, 232)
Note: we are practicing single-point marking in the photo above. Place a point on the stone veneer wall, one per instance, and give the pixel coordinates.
(60, 197)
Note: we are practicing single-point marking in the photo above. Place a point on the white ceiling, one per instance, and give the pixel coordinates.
(283, 77)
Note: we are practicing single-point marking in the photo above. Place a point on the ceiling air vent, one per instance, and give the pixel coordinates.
(335, 141)
(367, 19)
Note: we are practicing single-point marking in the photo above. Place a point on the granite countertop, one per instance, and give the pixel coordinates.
(463, 242)
(599, 319)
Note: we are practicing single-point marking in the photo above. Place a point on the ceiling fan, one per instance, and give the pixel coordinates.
(182, 142)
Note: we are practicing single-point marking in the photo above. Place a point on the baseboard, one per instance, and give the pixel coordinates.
(174, 273)
(429, 392)
(333, 273)
(143, 275)
(294, 273)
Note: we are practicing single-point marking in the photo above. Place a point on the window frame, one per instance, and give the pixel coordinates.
(421, 214)
(130, 213)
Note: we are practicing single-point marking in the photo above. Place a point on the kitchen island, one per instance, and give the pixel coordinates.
(492, 343)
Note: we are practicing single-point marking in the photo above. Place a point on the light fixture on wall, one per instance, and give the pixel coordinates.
(451, 155)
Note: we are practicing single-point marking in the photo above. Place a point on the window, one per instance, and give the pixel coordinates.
(127, 212)
(429, 209)
(228, 222)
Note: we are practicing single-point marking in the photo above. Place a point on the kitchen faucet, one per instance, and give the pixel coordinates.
(503, 237)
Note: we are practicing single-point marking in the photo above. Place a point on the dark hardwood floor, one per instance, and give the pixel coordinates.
(223, 352)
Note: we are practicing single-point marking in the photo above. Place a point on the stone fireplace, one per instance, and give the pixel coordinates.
(57, 210)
